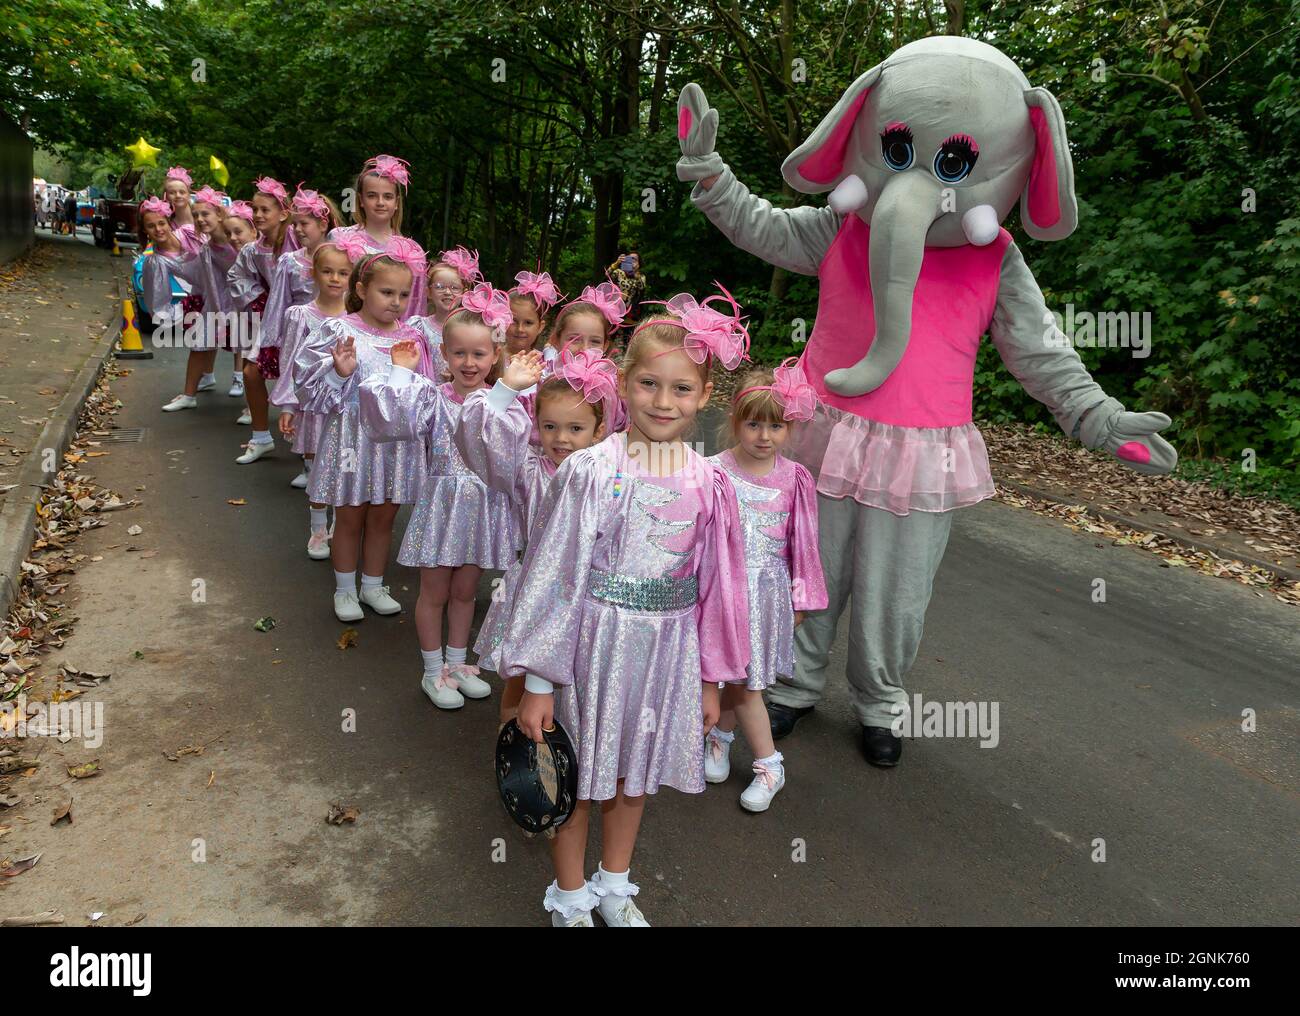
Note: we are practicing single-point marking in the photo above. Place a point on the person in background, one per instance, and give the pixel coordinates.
(625, 273)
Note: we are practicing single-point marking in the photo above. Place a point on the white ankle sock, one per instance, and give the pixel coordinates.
(773, 761)
(345, 581)
(320, 517)
(261, 437)
(237, 378)
(306, 465)
(455, 655)
(432, 660)
(612, 879)
(725, 736)
(205, 378)
(371, 581)
(572, 897)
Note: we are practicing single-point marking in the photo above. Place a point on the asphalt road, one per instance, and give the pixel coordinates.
(1119, 722)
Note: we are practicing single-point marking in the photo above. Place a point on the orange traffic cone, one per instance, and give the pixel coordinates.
(130, 345)
(117, 251)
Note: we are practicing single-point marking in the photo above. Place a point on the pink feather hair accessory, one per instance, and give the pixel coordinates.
(709, 332)
(274, 188)
(390, 167)
(606, 298)
(589, 373)
(791, 390)
(241, 210)
(465, 262)
(207, 196)
(153, 204)
(180, 173)
(309, 202)
(493, 305)
(541, 287)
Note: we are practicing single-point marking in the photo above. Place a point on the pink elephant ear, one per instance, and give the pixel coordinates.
(1048, 210)
(818, 164)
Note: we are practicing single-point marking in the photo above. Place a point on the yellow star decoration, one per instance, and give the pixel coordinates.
(219, 171)
(143, 153)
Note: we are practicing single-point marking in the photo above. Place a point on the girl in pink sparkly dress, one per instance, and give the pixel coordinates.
(459, 525)
(635, 562)
(777, 499)
(568, 412)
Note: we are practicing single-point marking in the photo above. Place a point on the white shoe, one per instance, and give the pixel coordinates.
(255, 450)
(318, 544)
(569, 916)
(346, 607)
(299, 482)
(181, 402)
(378, 600)
(468, 683)
(207, 382)
(769, 778)
(616, 906)
(246, 418)
(441, 689)
(717, 755)
(236, 389)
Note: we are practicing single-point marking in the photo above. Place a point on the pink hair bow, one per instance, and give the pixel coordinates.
(241, 210)
(589, 373)
(390, 167)
(180, 173)
(540, 287)
(494, 307)
(158, 205)
(266, 185)
(465, 262)
(309, 202)
(608, 299)
(710, 332)
(351, 243)
(406, 251)
(790, 387)
(206, 195)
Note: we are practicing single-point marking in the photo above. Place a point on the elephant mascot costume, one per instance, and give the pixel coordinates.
(924, 156)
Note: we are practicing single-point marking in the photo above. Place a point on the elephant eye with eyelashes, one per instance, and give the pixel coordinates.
(956, 158)
(896, 146)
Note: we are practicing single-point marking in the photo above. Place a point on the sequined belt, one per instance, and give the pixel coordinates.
(638, 593)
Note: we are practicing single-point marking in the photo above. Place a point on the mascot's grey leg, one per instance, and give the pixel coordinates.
(895, 558)
(837, 520)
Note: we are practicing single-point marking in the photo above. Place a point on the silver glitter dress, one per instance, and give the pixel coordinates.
(299, 323)
(492, 438)
(457, 520)
(291, 285)
(778, 513)
(632, 593)
(351, 466)
(432, 332)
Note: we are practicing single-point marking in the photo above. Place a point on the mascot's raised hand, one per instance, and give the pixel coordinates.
(697, 133)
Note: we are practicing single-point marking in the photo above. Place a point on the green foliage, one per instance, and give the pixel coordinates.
(1184, 121)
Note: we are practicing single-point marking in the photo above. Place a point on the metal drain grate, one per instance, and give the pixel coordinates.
(126, 435)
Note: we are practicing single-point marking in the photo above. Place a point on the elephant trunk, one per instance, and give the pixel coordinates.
(899, 223)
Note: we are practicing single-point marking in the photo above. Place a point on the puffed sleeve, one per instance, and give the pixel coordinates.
(724, 588)
(245, 281)
(156, 282)
(542, 634)
(278, 300)
(191, 242)
(294, 326)
(402, 406)
(492, 437)
(320, 389)
(807, 584)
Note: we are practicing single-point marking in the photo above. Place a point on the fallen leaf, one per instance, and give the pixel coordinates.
(211, 778)
(32, 920)
(180, 753)
(348, 639)
(21, 865)
(9, 800)
(264, 623)
(61, 812)
(339, 814)
(236, 501)
(85, 770)
(134, 530)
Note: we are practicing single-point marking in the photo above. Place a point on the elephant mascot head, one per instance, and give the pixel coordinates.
(932, 148)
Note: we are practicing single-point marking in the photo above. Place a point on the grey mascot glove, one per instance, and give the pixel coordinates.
(1132, 438)
(697, 132)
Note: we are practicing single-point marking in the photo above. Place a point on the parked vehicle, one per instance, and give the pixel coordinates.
(115, 218)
